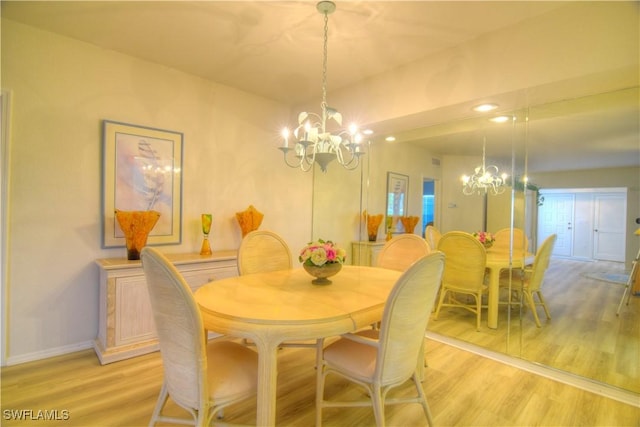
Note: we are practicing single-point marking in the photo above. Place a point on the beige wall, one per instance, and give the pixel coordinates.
(61, 91)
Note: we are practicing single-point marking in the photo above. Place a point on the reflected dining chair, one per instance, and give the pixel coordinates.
(503, 240)
(528, 281)
(464, 272)
(262, 251)
(201, 377)
(432, 235)
(384, 359)
(402, 251)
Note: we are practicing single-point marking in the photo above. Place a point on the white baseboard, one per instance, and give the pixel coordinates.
(587, 384)
(52, 352)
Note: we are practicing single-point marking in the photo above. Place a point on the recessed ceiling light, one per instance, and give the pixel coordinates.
(390, 139)
(483, 108)
(367, 132)
(500, 119)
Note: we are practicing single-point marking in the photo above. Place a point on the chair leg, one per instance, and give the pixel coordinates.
(478, 310)
(378, 405)
(543, 303)
(162, 400)
(443, 293)
(532, 305)
(425, 405)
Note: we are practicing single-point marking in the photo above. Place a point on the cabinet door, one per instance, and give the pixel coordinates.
(133, 315)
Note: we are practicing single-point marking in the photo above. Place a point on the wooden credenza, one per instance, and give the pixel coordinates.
(126, 328)
(365, 253)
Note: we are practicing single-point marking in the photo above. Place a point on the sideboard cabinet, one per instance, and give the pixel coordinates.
(125, 326)
(366, 253)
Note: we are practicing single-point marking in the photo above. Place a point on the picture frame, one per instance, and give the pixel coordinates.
(397, 199)
(141, 170)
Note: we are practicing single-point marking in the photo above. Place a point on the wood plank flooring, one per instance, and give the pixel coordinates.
(463, 389)
(584, 335)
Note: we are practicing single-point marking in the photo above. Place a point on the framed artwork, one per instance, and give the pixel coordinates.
(397, 198)
(142, 170)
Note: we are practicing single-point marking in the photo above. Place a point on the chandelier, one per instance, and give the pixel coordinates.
(312, 142)
(484, 179)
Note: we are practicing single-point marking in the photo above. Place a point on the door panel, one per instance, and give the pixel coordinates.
(556, 216)
(609, 227)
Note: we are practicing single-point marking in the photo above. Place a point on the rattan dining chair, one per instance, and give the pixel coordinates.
(380, 360)
(464, 272)
(262, 251)
(503, 240)
(201, 377)
(402, 251)
(432, 235)
(528, 281)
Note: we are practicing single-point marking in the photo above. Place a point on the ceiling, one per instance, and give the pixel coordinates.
(228, 41)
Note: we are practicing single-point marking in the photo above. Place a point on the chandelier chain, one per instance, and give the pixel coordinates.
(313, 143)
(325, 54)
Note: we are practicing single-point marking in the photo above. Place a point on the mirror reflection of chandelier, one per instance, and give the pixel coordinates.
(485, 178)
(312, 142)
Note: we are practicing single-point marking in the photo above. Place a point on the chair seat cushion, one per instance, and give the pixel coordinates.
(357, 359)
(232, 370)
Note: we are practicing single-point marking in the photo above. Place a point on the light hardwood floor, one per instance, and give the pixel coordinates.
(463, 389)
(584, 335)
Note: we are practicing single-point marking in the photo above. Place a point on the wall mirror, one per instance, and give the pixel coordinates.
(524, 148)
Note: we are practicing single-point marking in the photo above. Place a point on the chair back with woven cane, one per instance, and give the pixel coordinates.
(200, 377)
(464, 272)
(503, 240)
(432, 236)
(263, 251)
(528, 281)
(540, 264)
(402, 251)
(381, 360)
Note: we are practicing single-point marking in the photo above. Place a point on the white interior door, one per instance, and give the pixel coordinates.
(555, 216)
(609, 226)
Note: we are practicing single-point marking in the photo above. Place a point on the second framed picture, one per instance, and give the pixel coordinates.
(397, 198)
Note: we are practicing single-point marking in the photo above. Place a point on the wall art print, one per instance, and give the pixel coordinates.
(142, 170)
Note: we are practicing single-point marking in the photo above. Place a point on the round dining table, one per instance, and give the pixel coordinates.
(274, 307)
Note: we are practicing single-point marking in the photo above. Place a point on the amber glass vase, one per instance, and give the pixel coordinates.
(136, 226)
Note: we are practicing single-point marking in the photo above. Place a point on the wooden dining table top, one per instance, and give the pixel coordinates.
(288, 296)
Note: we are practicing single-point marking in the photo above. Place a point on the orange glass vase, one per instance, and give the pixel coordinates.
(136, 226)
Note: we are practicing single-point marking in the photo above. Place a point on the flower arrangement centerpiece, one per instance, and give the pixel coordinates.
(485, 238)
(322, 259)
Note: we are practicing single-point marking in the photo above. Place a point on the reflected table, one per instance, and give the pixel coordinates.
(496, 262)
(270, 308)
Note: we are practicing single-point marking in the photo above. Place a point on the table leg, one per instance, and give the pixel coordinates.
(493, 298)
(267, 382)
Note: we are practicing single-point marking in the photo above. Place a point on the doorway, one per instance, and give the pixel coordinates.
(590, 223)
(428, 203)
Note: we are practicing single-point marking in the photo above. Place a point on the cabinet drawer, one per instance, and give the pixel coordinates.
(197, 278)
